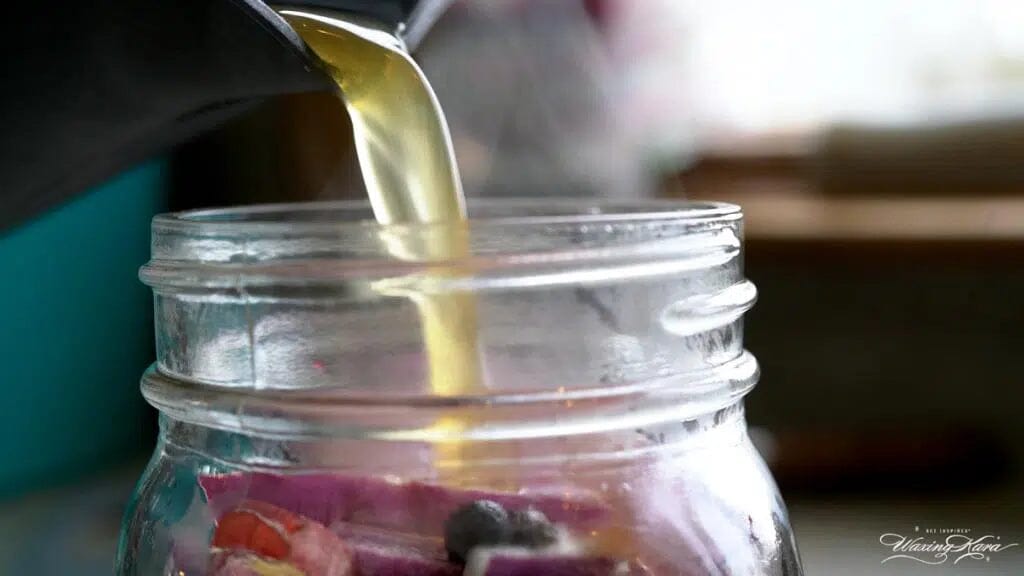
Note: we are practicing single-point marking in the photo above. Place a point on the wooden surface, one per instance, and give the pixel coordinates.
(939, 184)
(841, 538)
(781, 204)
(775, 210)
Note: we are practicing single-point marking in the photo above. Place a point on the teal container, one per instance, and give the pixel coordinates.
(75, 333)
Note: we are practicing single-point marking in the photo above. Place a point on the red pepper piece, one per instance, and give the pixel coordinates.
(259, 528)
(256, 532)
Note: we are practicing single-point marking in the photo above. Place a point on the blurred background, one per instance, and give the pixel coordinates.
(877, 148)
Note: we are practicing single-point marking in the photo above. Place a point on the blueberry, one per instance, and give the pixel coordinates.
(479, 523)
(532, 529)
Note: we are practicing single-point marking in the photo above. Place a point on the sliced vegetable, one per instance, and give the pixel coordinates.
(265, 537)
(520, 562)
(381, 552)
(406, 506)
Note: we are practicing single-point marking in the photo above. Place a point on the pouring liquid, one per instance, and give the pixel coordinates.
(408, 164)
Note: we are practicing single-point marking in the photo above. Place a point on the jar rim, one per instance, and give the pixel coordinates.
(356, 215)
(323, 242)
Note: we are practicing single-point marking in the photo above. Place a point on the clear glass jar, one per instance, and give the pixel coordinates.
(300, 432)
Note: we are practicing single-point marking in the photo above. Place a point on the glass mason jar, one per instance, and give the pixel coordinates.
(303, 431)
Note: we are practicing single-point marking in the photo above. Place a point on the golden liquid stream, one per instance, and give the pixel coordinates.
(408, 164)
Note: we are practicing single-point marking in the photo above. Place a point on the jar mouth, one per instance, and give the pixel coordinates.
(334, 217)
(328, 242)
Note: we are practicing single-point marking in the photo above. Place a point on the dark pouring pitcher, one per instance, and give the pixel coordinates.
(93, 86)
